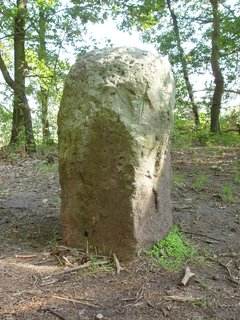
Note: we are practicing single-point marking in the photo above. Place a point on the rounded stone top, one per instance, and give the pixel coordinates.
(122, 60)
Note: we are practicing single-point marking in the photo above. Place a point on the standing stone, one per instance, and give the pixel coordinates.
(114, 125)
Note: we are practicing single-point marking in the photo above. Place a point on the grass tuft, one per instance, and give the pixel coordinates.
(227, 195)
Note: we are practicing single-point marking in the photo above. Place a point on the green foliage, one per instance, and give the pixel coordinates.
(183, 127)
(172, 251)
(53, 30)
(182, 30)
(227, 195)
(5, 125)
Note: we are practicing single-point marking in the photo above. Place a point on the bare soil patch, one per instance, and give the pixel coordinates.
(206, 204)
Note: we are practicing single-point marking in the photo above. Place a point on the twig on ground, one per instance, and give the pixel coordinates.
(225, 266)
(139, 294)
(183, 298)
(202, 235)
(228, 254)
(188, 275)
(82, 266)
(75, 301)
(134, 303)
(28, 256)
(228, 306)
(55, 313)
(146, 281)
(117, 264)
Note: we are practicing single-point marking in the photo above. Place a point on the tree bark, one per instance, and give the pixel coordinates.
(22, 121)
(183, 61)
(217, 73)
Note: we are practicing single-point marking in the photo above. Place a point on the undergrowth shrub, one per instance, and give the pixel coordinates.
(185, 134)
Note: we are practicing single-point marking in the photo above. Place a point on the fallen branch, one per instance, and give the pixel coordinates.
(134, 303)
(183, 298)
(82, 266)
(232, 279)
(117, 264)
(188, 275)
(75, 301)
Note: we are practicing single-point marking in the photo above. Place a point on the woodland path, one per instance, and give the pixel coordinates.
(206, 205)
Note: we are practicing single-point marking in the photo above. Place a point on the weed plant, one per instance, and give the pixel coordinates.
(2, 192)
(200, 182)
(236, 172)
(178, 180)
(237, 178)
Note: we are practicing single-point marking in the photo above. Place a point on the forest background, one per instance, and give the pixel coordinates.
(38, 39)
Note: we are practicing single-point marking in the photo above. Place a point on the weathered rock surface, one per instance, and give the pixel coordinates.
(114, 125)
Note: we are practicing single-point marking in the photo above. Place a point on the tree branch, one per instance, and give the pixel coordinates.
(232, 91)
(7, 36)
(6, 74)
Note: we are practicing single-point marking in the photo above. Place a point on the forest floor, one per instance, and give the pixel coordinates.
(33, 281)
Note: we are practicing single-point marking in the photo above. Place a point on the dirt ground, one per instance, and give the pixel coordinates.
(34, 283)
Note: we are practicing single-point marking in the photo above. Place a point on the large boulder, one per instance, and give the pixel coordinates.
(114, 126)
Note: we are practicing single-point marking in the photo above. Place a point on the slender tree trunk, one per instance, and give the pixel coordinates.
(22, 121)
(26, 110)
(183, 61)
(19, 58)
(44, 92)
(217, 73)
(29, 137)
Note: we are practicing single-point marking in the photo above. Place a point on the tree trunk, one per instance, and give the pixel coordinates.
(22, 122)
(27, 121)
(217, 73)
(44, 92)
(183, 61)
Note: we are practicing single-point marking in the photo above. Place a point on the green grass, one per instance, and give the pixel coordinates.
(46, 168)
(227, 195)
(236, 172)
(2, 192)
(55, 237)
(237, 178)
(178, 180)
(173, 251)
(200, 182)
